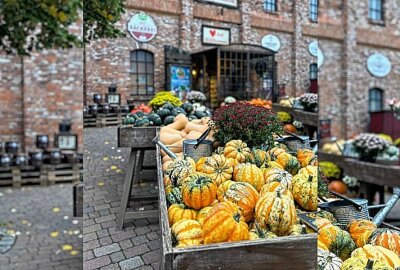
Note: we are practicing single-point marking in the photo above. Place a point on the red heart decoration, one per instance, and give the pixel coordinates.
(212, 32)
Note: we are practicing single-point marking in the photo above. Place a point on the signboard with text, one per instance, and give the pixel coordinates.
(216, 36)
(379, 65)
(229, 3)
(142, 27)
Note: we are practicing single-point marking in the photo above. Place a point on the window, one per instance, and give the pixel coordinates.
(270, 5)
(142, 72)
(314, 10)
(313, 71)
(376, 10)
(375, 100)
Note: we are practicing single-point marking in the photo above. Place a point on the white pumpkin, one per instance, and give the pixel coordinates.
(328, 260)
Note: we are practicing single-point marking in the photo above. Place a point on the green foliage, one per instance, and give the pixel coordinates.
(330, 169)
(164, 97)
(99, 19)
(28, 25)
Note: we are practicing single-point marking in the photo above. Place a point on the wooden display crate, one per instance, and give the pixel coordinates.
(29, 175)
(307, 118)
(291, 252)
(63, 173)
(78, 199)
(136, 137)
(90, 121)
(111, 119)
(6, 177)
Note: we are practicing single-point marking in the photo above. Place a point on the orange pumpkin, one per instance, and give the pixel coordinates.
(251, 174)
(338, 186)
(304, 156)
(177, 212)
(198, 191)
(336, 240)
(218, 168)
(259, 158)
(273, 153)
(275, 211)
(358, 230)
(223, 188)
(237, 149)
(386, 238)
(199, 164)
(244, 196)
(224, 223)
(289, 128)
(377, 253)
(289, 163)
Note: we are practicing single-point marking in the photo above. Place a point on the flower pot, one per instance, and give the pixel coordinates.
(12, 147)
(70, 157)
(85, 110)
(114, 108)
(371, 159)
(93, 109)
(21, 160)
(36, 158)
(65, 126)
(42, 141)
(5, 160)
(105, 108)
(97, 98)
(53, 157)
(124, 109)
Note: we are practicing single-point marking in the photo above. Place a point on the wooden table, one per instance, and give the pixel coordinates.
(307, 118)
(139, 140)
(290, 252)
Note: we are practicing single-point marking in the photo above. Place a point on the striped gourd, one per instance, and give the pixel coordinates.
(377, 253)
(328, 260)
(275, 211)
(179, 169)
(280, 176)
(386, 238)
(198, 191)
(186, 229)
(218, 168)
(245, 196)
(177, 212)
(305, 188)
(251, 174)
(224, 223)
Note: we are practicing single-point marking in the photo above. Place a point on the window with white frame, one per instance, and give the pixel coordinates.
(375, 100)
(313, 71)
(142, 72)
(270, 5)
(375, 10)
(314, 10)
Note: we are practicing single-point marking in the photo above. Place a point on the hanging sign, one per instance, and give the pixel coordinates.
(379, 65)
(142, 27)
(229, 3)
(313, 48)
(271, 42)
(216, 36)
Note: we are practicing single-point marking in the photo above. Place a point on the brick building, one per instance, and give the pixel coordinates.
(51, 92)
(349, 33)
(179, 24)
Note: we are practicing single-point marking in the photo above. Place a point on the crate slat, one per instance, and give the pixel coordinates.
(136, 137)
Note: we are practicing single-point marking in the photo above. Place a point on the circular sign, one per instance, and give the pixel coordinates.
(313, 48)
(271, 42)
(320, 58)
(379, 65)
(142, 27)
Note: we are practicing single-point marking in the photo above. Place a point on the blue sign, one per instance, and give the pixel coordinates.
(180, 78)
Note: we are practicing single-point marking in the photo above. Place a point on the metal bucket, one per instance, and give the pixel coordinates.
(344, 212)
(294, 144)
(204, 149)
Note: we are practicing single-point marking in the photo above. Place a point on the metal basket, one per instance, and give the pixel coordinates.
(344, 212)
(204, 149)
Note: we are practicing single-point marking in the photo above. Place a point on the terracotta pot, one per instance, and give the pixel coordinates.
(12, 147)
(42, 141)
(36, 158)
(93, 109)
(97, 98)
(5, 160)
(105, 108)
(21, 160)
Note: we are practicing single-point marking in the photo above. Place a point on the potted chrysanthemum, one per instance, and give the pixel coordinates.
(369, 146)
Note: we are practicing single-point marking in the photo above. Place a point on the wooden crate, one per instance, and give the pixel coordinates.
(111, 119)
(63, 173)
(6, 176)
(292, 252)
(90, 121)
(136, 137)
(307, 118)
(78, 199)
(29, 175)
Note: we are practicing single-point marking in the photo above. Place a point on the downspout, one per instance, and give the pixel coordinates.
(22, 102)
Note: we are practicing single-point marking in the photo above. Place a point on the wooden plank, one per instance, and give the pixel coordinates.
(136, 137)
(307, 118)
(292, 252)
(379, 174)
(78, 199)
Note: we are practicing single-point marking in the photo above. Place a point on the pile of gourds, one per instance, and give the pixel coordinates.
(362, 246)
(239, 194)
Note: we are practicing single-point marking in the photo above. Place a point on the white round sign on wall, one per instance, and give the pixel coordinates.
(320, 57)
(313, 48)
(271, 42)
(142, 27)
(379, 65)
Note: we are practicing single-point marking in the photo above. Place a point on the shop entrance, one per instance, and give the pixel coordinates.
(240, 71)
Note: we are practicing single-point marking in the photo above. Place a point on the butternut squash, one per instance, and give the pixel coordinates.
(196, 121)
(177, 147)
(193, 135)
(183, 134)
(179, 123)
(194, 127)
(169, 138)
(165, 164)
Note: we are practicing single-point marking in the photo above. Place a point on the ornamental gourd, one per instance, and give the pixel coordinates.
(272, 187)
(188, 243)
(186, 229)
(305, 188)
(179, 169)
(336, 240)
(237, 149)
(258, 233)
(198, 191)
(222, 189)
(328, 260)
(386, 238)
(276, 212)
(304, 156)
(202, 214)
(360, 230)
(377, 253)
(224, 223)
(273, 153)
(259, 158)
(355, 263)
(289, 163)
(245, 196)
(280, 176)
(218, 168)
(174, 195)
(177, 212)
(251, 174)
(200, 163)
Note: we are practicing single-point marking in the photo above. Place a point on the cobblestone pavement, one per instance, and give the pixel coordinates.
(105, 247)
(48, 236)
